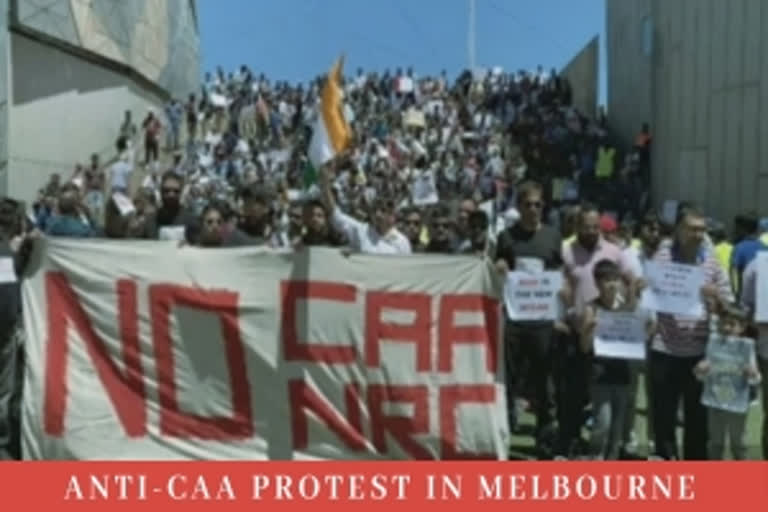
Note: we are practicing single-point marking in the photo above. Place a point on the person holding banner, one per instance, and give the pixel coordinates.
(611, 377)
(532, 247)
(379, 237)
(681, 341)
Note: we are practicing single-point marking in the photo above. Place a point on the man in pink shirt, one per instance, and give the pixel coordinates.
(579, 259)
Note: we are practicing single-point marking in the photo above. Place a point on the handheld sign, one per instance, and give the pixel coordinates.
(620, 335)
(533, 297)
(726, 386)
(674, 288)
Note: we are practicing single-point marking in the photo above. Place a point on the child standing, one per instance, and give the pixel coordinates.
(728, 370)
(610, 379)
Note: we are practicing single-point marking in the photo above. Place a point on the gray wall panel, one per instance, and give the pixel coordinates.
(752, 39)
(750, 144)
(707, 96)
(735, 42)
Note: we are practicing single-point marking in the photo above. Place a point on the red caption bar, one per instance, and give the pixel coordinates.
(443, 486)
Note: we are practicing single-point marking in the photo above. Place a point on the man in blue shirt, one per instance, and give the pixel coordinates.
(747, 235)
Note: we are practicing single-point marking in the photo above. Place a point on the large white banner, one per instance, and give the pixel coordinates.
(144, 350)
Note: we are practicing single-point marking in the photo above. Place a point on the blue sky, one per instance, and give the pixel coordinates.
(298, 39)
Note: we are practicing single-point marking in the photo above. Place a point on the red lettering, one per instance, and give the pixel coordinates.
(450, 398)
(295, 350)
(303, 399)
(173, 421)
(417, 333)
(125, 389)
(401, 428)
(450, 334)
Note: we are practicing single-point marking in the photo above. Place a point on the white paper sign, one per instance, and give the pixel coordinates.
(123, 203)
(761, 288)
(219, 100)
(674, 288)
(531, 297)
(669, 211)
(620, 335)
(424, 189)
(172, 233)
(7, 271)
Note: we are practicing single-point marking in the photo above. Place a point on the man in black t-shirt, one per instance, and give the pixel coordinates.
(530, 246)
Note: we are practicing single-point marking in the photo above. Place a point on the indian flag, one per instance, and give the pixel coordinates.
(331, 133)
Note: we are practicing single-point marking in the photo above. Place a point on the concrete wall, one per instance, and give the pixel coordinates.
(583, 74)
(157, 38)
(707, 86)
(64, 108)
(630, 75)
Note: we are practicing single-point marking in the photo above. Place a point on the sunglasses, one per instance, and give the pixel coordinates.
(533, 204)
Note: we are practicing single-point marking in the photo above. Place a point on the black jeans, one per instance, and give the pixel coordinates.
(529, 347)
(571, 392)
(672, 379)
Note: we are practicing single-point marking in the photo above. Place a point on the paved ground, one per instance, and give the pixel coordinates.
(522, 445)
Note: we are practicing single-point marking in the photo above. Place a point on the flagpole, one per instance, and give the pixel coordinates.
(471, 36)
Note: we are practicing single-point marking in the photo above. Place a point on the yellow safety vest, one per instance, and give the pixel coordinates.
(604, 168)
(723, 251)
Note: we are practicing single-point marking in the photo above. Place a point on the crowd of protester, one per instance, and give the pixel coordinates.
(493, 164)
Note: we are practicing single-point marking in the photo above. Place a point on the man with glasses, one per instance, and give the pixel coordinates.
(442, 238)
(530, 245)
(681, 343)
(579, 259)
(413, 227)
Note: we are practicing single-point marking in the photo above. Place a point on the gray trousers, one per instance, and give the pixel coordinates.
(9, 347)
(609, 408)
(726, 426)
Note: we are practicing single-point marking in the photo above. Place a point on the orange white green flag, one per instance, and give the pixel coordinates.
(331, 134)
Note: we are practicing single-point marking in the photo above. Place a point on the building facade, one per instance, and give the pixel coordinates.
(69, 69)
(697, 72)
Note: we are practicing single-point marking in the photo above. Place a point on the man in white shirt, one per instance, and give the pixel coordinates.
(379, 237)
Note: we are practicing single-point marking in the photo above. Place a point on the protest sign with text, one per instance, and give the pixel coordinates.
(145, 350)
(725, 385)
(674, 288)
(533, 297)
(621, 335)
